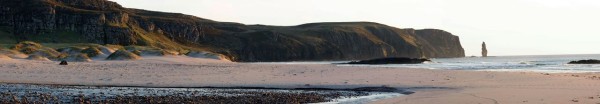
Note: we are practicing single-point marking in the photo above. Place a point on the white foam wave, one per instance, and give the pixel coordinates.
(374, 96)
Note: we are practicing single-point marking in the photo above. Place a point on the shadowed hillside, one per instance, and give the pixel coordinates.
(106, 22)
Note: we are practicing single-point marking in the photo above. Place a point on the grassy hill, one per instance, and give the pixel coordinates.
(106, 22)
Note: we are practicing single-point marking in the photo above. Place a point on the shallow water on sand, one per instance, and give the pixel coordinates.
(541, 63)
(550, 63)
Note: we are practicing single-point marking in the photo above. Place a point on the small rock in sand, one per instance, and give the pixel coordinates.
(63, 63)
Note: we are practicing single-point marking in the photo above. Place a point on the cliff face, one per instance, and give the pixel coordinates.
(105, 22)
(439, 44)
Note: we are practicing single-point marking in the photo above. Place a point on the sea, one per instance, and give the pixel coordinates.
(529, 63)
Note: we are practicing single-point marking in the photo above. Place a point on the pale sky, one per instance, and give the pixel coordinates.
(509, 27)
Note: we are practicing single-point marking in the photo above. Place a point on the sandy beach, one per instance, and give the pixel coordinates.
(346, 52)
(431, 86)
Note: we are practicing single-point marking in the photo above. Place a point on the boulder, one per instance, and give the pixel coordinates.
(63, 63)
(400, 60)
(123, 55)
(590, 61)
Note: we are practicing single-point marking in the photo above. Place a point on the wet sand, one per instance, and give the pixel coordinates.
(32, 93)
(430, 86)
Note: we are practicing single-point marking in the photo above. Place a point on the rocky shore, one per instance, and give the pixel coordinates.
(399, 60)
(590, 61)
(32, 94)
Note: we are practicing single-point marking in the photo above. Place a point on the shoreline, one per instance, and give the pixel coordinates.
(430, 86)
(363, 89)
(40, 93)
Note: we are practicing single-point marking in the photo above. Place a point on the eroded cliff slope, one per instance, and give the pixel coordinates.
(106, 22)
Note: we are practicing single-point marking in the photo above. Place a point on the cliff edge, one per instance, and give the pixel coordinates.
(106, 22)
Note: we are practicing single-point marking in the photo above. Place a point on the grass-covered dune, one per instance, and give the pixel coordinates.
(85, 52)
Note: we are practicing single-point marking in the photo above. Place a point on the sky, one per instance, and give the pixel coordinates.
(509, 27)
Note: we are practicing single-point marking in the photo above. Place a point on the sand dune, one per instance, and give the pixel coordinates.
(431, 86)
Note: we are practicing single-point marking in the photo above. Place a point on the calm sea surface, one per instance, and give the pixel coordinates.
(541, 63)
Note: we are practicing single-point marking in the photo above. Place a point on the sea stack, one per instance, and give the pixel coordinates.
(484, 51)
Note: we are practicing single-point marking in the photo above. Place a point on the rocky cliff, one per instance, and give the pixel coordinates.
(105, 22)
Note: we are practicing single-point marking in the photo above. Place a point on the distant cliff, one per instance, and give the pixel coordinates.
(106, 22)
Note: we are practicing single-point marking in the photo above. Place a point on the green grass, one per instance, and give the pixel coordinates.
(157, 41)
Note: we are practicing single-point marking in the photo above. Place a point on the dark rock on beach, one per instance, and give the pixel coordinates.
(590, 61)
(391, 61)
(379, 89)
(63, 63)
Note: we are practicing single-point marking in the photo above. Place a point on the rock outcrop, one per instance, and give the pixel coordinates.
(590, 61)
(106, 22)
(400, 60)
